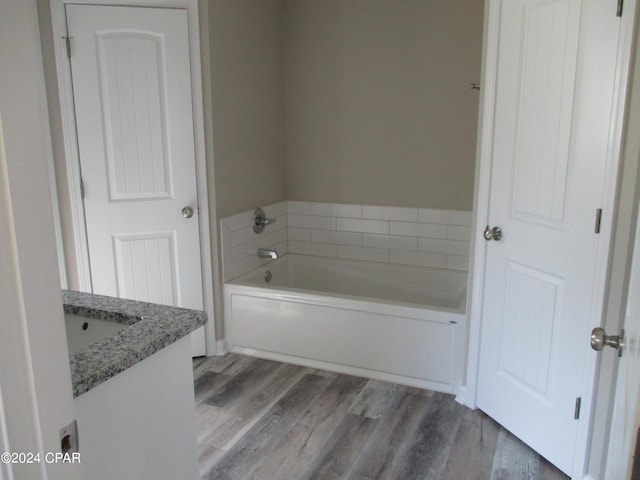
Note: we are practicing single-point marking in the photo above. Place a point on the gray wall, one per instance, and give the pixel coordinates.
(377, 102)
(247, 90)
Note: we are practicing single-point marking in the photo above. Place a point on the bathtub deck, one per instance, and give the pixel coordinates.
(261, 419)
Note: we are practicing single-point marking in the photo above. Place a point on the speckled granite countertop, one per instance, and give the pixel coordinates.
(152, 327)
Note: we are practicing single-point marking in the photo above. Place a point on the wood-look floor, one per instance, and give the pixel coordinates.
(259, 419)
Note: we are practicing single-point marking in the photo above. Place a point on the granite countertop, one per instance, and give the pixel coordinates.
(152, 327)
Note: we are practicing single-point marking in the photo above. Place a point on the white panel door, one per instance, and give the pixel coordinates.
(556, 65)
(132, 93)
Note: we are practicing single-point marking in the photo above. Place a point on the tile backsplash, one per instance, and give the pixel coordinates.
(411, 236)
(240, 243)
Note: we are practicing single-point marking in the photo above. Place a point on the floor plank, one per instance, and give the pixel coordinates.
(244, 458)
(476, 441)
(514, 458)
(431, 444)
(258, 419)
(342, 448)
(387, 448)
(304, 443)
(375, 399)
(244, 410)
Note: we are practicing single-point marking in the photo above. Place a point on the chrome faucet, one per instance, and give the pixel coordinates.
(267, 253)
(260, 220)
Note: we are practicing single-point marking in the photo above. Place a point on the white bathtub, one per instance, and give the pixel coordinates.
(391, 322)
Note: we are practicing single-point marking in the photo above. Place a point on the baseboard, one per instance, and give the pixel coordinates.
(221, 348)
(461, 397)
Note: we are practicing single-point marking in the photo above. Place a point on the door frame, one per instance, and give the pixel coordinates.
(481, 211)
(72, 159)
(620, 458)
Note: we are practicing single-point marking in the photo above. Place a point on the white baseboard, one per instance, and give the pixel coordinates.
(461, 397)
(221, 348)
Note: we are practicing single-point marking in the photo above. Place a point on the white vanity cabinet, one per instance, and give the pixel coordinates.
(140, 424)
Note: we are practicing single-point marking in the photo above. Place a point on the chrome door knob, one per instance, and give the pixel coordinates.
(187, 212)
(600, 339)
(494, 233)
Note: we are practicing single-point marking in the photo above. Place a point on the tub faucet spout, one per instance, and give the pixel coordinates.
(267, 253)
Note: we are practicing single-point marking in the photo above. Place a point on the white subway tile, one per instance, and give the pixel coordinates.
(447, 247)
(282, 221)
(282, 248)
(239, 221)
(431, 215)
(298, 208)
(308, 221)
(227, 249)
(460, 217)
(336, 210)
(239, 252)
(390, 213)
(390, 241)
(347, 211)
(363, 253)
(336, 238)
(299, 234)
(427, 230)
(459, 233)
(363, 226)
(457, 262)
(308, 248)
(227, 272)
(242, 236)
(418, 259)
(267, 241)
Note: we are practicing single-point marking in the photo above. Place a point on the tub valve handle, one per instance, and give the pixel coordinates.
(260, 220)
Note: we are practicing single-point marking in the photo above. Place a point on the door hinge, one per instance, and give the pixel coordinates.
(619, 9)
(598, 220)
(67, 40)
(576, 411)
(82, 188)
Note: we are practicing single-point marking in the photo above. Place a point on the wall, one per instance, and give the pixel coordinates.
(247, 90)
(378, 108)
(35, 378)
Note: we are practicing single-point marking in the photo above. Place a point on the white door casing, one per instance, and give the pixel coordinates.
(548, 158)
(626, 414)
(199, 196)
(131, 77)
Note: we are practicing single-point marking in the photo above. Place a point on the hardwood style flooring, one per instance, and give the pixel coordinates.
(259, 419)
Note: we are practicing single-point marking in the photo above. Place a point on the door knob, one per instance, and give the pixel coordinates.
(494, 233)
(187, 212)
(599, 340)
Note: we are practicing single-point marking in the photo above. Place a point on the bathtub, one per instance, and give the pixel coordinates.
(390, 322)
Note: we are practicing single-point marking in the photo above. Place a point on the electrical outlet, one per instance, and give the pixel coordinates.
(69, 438)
